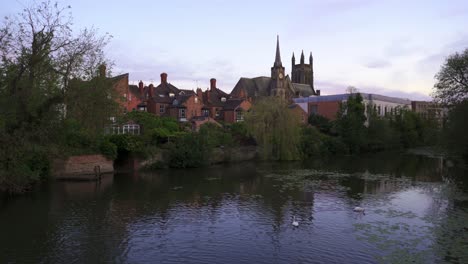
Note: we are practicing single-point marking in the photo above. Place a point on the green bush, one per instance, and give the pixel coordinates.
(108, 149)
(76, 136)
(188, 151)
(127, 143)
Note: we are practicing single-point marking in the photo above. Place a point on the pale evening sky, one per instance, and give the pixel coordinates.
(390, 47)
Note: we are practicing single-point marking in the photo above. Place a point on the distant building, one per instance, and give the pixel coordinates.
(430, 110)
(279, 84)
(329, 105)
(167, 100)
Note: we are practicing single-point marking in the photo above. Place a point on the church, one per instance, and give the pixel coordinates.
(300, 84)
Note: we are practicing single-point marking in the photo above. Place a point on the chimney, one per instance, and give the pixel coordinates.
(208, 98)
(151, 90)
(317, 92)
(163, 77)
(200, 93)
(212, 84)
(141, 87)
(102, 70)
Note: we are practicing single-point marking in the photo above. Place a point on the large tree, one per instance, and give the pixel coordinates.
(275, 128)
(39, 55)
(452, 79)
(350, 123)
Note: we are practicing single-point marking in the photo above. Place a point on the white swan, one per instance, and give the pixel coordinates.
(294, 222)
(359, 209)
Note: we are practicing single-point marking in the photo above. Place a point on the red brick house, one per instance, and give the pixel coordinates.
(168, 100)
(234, 110)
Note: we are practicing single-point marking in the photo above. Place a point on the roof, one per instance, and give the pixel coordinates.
(344, 97)
(304, 89)
(259, 86)
(162, 93)
(118, 77)
(232, 104)
(186, 91)
(215, 96)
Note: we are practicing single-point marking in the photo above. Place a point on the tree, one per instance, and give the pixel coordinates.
(455, 138)
(350, 123)
(39, 55)
(275, 128)
(320, 122)
(452, 79)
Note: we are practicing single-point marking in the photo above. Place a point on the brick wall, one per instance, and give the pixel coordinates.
(326, 109)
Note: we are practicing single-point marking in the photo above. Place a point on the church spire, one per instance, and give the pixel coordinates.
(311, 61)
(293, 59)
(302, 57)
(278, 56)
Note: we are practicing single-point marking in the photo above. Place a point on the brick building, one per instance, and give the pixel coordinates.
(329, 105)
(279, 84)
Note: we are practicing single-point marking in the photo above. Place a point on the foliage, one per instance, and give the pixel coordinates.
(350, 123)
(275, 128)
(320, 122)
(126, 143)
(240, 134)
(156, 130)
(316, 144)
(455, 133)
(215, 136)
(92, 103)
(188, 151)
(39, 55)
(452, 79)
(108, 149)
(21, 164)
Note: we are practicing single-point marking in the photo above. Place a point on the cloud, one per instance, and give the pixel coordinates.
(432, 63)
(377, 63)
(401, 47)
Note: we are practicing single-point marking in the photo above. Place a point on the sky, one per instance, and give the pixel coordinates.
(389, 47)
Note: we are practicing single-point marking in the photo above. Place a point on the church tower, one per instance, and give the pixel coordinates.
(303, 73)
(278, 83)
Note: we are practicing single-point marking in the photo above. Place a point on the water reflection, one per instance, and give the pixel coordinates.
(242, 213)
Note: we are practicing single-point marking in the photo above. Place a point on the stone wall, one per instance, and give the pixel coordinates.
(81, 167)
(219, 155)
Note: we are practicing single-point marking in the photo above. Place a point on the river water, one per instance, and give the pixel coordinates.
(416, 211)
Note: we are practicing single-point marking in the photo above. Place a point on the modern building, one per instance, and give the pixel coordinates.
(329, 105)
(430, 110)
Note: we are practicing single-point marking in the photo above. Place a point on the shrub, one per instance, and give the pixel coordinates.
(108, 149)
(188, 151)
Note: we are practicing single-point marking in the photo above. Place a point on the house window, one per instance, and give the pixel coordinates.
(132, 129)
(217, 113)
(205, 112)
(196, 100)
(313, 109)
(162, 109)
(182, 113)
(239, 116)
(379, 110)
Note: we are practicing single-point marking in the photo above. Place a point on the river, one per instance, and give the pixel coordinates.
(416, 211)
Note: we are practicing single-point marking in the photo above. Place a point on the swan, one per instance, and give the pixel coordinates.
(294, 222)
(359, 209)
